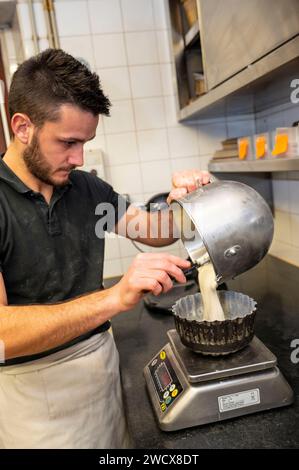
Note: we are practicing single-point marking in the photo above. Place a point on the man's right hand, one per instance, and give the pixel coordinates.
(149, 272)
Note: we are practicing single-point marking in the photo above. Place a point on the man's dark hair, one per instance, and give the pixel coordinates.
(44, 82)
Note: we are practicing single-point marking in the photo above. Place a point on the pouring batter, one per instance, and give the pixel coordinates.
(212, 309)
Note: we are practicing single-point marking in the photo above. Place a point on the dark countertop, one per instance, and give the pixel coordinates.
(139, 335)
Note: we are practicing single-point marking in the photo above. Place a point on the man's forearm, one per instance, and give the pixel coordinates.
(161, 229)
(31, 329)
(151, 228)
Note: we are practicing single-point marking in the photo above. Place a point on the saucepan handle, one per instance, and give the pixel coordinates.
(213, 179)
(191, 273)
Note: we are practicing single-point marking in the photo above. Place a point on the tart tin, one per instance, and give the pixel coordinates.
(217, 337)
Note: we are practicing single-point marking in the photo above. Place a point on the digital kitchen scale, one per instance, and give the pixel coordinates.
(188, 389)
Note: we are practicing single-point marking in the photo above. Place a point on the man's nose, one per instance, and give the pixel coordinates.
(77, 157)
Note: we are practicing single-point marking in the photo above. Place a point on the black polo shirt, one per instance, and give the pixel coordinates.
(51, 252)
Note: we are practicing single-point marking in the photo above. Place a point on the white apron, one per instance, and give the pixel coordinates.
(71, 399)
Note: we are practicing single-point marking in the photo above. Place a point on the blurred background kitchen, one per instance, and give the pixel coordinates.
(186, 79)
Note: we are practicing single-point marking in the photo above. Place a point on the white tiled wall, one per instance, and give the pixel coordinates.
(127, 42)
(11, 48)
(26, 28)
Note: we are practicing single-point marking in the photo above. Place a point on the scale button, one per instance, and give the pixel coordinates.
(168, 400)
(163, 406)
(174, 393)
(172, 387)
(154, 362)
(165, 395)
(162, 355)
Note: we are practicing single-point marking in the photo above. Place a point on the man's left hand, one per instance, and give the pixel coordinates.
(184, 182)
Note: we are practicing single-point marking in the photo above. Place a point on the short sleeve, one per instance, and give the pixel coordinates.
(107, 202)
(119, 203)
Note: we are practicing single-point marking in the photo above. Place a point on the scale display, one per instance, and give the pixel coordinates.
(163, 377)
(166, 383)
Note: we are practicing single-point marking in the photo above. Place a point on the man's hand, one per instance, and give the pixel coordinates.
(149, 272)
(184, 182)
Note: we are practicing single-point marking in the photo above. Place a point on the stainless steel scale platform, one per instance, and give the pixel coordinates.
(188, 389)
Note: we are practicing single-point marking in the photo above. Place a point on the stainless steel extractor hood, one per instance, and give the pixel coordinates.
(7, 12)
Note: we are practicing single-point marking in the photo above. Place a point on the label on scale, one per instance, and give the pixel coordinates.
(239, 400)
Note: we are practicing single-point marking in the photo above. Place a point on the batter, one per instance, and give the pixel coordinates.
(212, 309)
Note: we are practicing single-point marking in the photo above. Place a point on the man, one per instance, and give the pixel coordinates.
(59, 385)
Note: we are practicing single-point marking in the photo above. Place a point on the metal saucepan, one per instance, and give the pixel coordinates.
(227, 223)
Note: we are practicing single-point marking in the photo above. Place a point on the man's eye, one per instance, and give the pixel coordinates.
(68, 143)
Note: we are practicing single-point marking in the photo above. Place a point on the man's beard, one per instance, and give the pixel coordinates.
(37, 165)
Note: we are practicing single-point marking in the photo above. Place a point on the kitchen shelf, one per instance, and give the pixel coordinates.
(192, 35)
(187, 50)
(234, 165)
(235, 95)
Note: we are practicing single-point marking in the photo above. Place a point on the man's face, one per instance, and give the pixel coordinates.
(57, 148)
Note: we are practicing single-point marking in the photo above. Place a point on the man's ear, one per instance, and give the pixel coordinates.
(22, 127)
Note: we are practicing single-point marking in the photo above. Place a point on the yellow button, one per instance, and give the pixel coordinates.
(163, 406)
(174, 393)
(162, 355)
